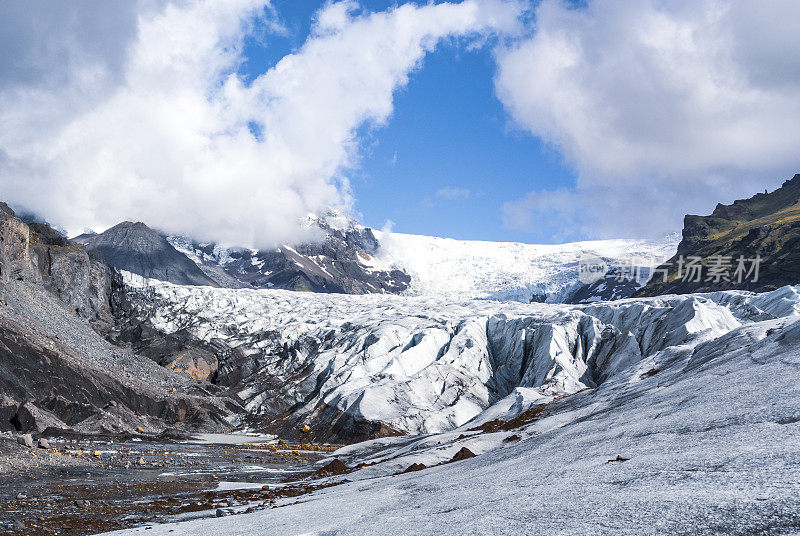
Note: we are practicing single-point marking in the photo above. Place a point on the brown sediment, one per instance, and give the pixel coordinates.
(283, 446)
(414, 467)
(336, 467)
(62, 512)
(498, 425)
(463, 454)
(526, 417)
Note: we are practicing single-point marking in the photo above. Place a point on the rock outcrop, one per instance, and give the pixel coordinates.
(58, 373)
(195, 362)
(766, 226)
(16, 257)
(38, 254)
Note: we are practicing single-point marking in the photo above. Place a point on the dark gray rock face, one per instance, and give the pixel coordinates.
(339, 263)
(57, 372)
(31, 418)
(80, 278)
(8, 409)
(136, 248)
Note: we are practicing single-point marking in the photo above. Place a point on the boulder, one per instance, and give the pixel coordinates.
(415, 467)
(25, 440)
(30, 418)
(195, 362)
(335, 467)
(463, 454)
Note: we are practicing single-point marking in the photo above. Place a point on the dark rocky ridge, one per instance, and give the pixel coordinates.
(136, 248)
(56, 371)
(339, 263)
(767, 225)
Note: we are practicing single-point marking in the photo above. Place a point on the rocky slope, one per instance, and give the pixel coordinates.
(355, 367)
(56, 371)
(766, 226)
(137, 248)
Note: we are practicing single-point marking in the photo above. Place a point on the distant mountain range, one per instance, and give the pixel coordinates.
(353, 259)
(341, 262)
(350, 258)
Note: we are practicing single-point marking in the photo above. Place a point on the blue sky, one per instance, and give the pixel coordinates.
(128, 111)
(450, 156)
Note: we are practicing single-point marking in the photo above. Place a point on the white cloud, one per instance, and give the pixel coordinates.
(452, 192)
(156, 127)
(663, 108)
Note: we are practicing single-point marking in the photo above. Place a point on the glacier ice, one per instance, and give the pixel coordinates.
(422, 365)
(507, 271)
(707, 419)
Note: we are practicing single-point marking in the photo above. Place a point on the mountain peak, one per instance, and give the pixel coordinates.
(135, 247)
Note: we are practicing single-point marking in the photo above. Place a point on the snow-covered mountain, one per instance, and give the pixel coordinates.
(355, 367)
(340, 261)
(353, 259)
(467, 269)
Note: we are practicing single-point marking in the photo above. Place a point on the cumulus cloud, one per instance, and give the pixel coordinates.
(662, 108)
(158, 127)
(452, 192)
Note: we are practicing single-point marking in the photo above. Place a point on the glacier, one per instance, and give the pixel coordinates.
(359, 367)
(507, 271)
(352, 258)
(669, 415)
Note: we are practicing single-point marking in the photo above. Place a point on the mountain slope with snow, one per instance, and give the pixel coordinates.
(468, 269)
(338, 262)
